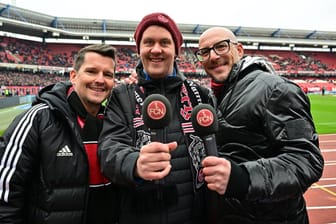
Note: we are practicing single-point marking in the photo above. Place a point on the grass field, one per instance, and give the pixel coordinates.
(323, 110)
(8, 114)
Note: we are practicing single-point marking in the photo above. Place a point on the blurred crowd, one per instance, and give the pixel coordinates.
(55, 55)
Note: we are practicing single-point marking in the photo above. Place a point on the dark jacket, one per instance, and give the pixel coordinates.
(267, 129)
(44, 168)
(144, 202)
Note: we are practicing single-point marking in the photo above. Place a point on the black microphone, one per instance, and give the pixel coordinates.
(156, 112)
(205, 123)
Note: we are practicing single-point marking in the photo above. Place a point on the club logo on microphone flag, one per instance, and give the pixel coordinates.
(205, 117)
(156, 110)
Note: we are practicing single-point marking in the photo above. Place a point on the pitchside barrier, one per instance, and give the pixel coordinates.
(15, 100)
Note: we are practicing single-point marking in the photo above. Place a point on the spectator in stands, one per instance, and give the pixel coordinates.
(268, 145)
(161, 180)
(49, 170)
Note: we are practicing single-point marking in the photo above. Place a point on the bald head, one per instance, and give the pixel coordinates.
(220, 32)
(219, 64)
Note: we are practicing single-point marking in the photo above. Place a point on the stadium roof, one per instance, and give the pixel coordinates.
(22, 21)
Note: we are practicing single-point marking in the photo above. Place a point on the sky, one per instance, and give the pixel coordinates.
(317, 15)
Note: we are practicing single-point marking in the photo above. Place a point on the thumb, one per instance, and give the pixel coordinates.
(172, 146)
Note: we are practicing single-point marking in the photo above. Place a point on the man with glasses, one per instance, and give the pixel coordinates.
(268, 146)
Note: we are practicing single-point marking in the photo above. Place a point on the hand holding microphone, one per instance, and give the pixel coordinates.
(216, 170)
(205, 123)
(154, 159)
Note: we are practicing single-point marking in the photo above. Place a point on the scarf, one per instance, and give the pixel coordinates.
(90, 128)
(189, 97)
(217, 88)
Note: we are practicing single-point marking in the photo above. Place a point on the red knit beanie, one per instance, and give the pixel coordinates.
(159, 19)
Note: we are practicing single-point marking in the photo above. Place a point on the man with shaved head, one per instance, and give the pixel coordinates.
(268, 146)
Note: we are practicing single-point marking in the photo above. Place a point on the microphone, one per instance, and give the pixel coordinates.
(205, 123)
(156, 112)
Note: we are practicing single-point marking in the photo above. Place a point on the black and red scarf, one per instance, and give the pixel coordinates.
(189, 97)
(90, 128)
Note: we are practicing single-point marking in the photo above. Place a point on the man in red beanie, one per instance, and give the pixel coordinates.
(163, 179)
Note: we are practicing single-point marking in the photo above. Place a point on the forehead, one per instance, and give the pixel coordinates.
(155, 31)
(210, 37)
(93, 59)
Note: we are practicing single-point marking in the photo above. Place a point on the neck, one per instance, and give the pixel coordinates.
(82, 108)
(217, 88)
(92, 110)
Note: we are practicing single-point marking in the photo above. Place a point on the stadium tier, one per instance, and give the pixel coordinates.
(26, 66)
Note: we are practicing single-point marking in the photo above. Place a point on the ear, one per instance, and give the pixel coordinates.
(73, 76)
(240, 50)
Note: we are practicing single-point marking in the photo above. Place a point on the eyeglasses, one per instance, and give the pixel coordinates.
(220, 48)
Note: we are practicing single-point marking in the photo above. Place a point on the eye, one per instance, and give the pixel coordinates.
(90, 71)
(221, 46)
(109, 75)
(148, 42)
(204, 51)
(165, 42)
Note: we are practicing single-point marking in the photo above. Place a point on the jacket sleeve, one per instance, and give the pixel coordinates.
(296, 162)
(18, 155)
(116, 150)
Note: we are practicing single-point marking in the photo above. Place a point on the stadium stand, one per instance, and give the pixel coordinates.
(27, 65)
(50, 63)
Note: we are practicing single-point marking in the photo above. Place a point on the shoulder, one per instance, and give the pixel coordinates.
(205, 93)
(277, 82)
(34, 112)
(199, 87)
(123, 89)
(122, 98)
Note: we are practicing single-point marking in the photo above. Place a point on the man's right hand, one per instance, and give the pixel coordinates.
(154, 160)
(216, 172)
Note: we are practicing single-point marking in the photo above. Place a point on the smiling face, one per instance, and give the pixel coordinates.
(218, 67)
(93, 81)
(157, 51)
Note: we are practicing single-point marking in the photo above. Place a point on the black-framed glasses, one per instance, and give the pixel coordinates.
(220, 48)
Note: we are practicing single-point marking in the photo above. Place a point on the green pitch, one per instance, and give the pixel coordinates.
(323, 110)
(8, 114)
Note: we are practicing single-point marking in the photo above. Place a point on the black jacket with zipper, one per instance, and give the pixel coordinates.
(144, 202)
(44, 168)
(267, 129)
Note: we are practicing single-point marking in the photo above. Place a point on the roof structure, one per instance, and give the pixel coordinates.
(22, 21)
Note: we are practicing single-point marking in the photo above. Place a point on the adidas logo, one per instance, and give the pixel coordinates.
(65, 151)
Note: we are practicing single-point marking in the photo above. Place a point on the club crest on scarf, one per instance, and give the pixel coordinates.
(197, 152)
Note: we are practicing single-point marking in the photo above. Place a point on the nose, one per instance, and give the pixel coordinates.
(156, 48)
(213, 53)
(100, 77)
